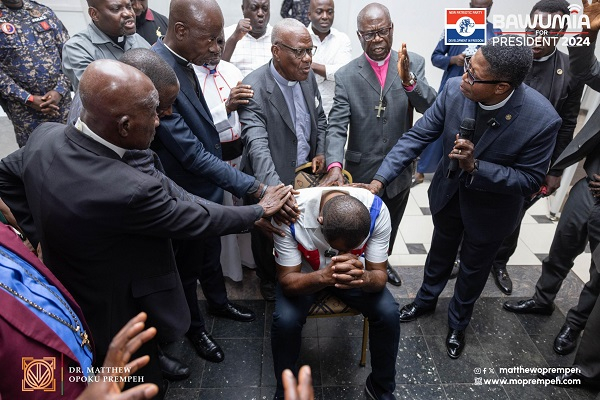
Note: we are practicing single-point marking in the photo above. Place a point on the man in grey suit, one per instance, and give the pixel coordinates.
(283, 126)
(376, 93)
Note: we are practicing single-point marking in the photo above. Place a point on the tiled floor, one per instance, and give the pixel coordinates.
(331, 346)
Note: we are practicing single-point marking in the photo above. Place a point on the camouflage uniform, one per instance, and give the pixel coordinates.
(31, 41)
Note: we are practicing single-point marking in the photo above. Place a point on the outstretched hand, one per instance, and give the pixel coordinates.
(592, 10)
(129, 339)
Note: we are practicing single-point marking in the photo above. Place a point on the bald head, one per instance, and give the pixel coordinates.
(194, 30)
(186, 10)
(372, 11)
(119, 104)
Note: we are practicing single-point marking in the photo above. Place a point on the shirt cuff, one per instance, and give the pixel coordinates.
(334, 165)
(410, 88)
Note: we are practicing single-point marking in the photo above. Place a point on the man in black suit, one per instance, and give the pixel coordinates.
(189, 148)
(104, 226)
(550, 76)
(585, 66)
(494, 169)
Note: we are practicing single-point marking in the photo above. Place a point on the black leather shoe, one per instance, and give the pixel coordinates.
(267, 290)
(455, 343)
(528, 306)
(393, 276)
(234, 312)
(171, 368)
(411, 312)
(502, 279)
(569, 379)
(374, 393)
(566, 340)
(206, 347)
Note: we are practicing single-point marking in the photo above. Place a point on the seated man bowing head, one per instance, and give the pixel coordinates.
(339, 244)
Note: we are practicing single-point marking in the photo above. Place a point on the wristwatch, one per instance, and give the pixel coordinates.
(412, 81)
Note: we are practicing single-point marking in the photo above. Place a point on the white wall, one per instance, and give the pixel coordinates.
(417, 23)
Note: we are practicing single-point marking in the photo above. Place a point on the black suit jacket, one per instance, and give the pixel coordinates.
(105, 228)
(554, 81)
(188, 143)
(586, 144)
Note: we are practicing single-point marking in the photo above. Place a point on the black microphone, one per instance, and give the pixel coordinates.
(466, 131)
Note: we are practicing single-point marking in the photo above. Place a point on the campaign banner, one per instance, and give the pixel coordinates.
(466, 26)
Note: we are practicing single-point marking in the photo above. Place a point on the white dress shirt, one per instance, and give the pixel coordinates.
(250, 53)
(334, 52)
(216, 88)
(236, 248)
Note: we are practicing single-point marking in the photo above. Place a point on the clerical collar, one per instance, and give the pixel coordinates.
(178, 58)
(497, 106)
(379, 63)
(83, 128)
(545, 58)
(279, 78)
(117, 39)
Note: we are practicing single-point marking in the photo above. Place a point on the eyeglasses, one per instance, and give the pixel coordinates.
(369, 36)
(471, 78)
(299, 53)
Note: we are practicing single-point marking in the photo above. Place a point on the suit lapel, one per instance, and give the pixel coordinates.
(582, 144)
(365, 70)
(392, 72)
(505, 116)
(185, 87)
(278, 101)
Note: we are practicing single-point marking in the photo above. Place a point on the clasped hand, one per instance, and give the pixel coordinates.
(346, 271)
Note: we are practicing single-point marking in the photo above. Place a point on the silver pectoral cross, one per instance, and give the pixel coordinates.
(380, 108)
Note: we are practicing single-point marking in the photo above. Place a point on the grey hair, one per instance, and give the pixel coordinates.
(366, 9)
(283, 26)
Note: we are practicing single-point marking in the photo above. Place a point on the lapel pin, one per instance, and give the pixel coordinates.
(508, 117)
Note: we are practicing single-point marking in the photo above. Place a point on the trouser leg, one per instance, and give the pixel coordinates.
(396, 206)
(286, 331)
(569, 241)
(447, 235)
(384, 331)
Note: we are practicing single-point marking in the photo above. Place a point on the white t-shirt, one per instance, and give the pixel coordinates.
(308, 244)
